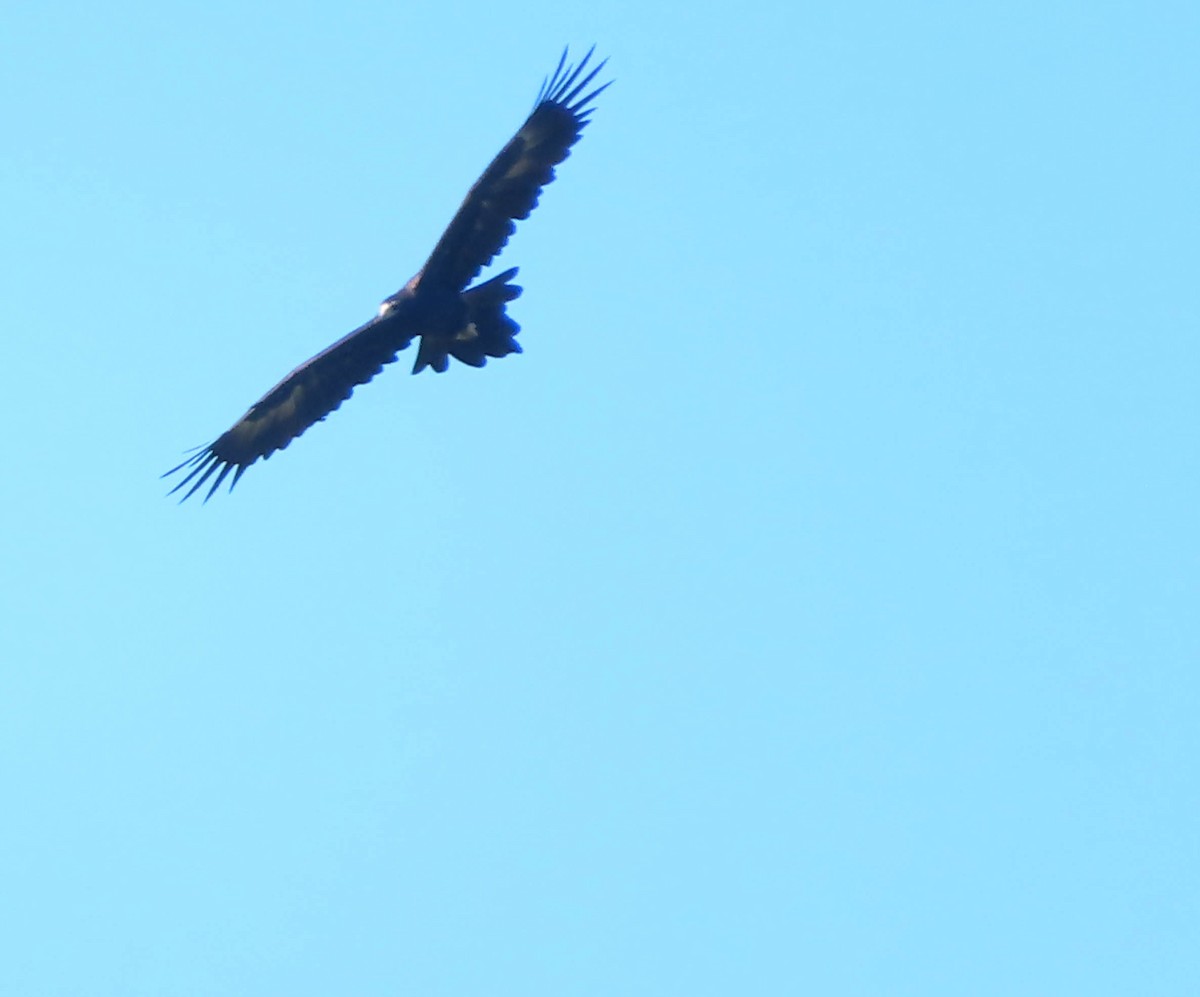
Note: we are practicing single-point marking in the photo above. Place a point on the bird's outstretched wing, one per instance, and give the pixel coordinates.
(307, 395)
(508, 189)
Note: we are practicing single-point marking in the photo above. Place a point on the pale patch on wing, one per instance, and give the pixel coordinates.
(524, 165)
(287, 409)
(280, 410)
(470, 332)
(243, 433)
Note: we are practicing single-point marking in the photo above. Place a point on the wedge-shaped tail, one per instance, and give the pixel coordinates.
(489, 332)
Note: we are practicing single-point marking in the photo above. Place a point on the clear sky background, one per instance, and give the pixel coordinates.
(811, 609)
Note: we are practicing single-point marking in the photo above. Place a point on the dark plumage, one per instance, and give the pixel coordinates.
(452, 320)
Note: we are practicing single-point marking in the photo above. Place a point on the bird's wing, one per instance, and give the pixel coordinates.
(306, 396)
(509, 188)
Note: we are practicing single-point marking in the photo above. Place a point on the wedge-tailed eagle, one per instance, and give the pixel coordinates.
(436, 306)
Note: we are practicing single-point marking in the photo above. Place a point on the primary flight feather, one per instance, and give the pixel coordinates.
(436, 306)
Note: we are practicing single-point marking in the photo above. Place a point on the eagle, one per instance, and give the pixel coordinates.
(450, 318)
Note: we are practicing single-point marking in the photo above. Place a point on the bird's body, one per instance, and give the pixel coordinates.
(436, 306)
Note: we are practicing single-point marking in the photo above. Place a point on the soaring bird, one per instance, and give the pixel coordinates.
(450, 318)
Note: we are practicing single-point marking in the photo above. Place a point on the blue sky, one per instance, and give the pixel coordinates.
(810, 609)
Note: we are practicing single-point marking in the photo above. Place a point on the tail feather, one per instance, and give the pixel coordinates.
(489, 331)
